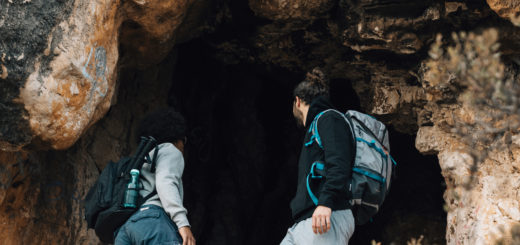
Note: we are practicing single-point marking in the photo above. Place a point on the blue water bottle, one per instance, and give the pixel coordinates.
(132, 190)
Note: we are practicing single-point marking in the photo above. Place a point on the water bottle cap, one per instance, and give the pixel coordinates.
(134, 171)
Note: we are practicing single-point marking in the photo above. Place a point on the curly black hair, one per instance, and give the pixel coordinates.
(315, 84)
(165, 125)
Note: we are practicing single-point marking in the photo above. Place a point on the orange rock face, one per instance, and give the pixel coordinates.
(61, 104)
(72, 84)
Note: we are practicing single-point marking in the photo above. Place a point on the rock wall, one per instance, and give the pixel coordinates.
(60, 65)
(387, 42)
(81, 62)
(18, 56)
(59, 61)
(480, 166)
(42, 193)
(486, 212)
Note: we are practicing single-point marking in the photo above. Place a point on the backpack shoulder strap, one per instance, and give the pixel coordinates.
(140, 149)
(144, 199)
(153, 160)
(138, 161)
(314, 128)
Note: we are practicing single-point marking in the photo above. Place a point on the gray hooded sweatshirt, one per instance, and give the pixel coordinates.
(167, 179)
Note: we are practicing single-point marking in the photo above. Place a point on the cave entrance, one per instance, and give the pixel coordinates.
(243, 147)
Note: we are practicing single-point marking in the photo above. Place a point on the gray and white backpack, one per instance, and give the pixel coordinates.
(372, 168)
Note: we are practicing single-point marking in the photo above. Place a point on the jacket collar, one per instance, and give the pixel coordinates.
(318, 105)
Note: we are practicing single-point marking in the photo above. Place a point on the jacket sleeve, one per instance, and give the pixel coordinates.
(336, 138)
(170, 165)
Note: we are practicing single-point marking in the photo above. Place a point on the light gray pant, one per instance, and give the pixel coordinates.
(342, 228)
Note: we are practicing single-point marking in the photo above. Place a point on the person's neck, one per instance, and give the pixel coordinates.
(305, 112)
(180, 146)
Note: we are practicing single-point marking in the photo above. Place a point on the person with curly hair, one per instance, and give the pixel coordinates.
(162, 219)
(327, 219)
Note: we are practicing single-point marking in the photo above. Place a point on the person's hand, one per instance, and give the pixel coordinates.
(187, 236)
(321, 220)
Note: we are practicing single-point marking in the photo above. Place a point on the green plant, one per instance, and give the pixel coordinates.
(470, 71)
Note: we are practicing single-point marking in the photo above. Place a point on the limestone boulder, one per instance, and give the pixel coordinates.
(487, 210)
(73, 79)
(481, 189)
(58, 60)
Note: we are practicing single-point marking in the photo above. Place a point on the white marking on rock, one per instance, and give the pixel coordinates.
(74, 90)
(140, 2)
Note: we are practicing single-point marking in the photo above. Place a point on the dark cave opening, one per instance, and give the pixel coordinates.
(243, 147)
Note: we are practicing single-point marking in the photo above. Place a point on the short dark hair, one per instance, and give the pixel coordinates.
(315, 84)
(165, 125)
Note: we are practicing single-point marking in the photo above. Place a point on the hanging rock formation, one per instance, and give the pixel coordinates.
(64, 64)
(59, 61)
(287, 10)
(151, 28)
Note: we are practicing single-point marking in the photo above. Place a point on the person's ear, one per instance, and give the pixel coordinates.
(297, 101)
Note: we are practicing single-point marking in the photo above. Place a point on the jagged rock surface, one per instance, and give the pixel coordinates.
(41, 193)
(294, 9)
(61, 77)
(508, 9)
(481, 199)
(151, 28)
(59, 61)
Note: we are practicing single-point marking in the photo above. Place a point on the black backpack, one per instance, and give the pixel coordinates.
(104, 209)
